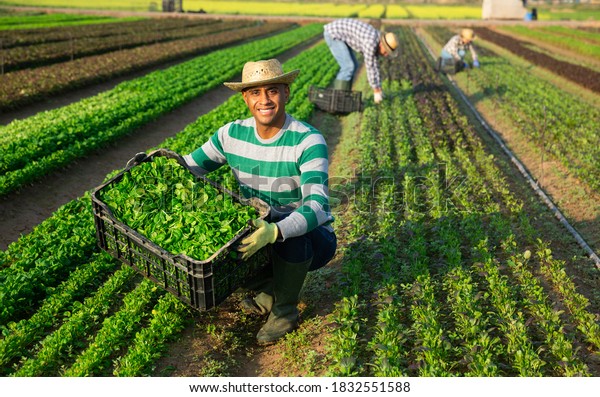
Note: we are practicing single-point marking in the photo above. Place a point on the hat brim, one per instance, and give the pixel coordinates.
(391, 53)
(286, 78)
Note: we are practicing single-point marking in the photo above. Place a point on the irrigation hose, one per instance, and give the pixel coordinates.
(553, 208)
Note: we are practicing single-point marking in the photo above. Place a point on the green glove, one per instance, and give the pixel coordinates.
(265, 233)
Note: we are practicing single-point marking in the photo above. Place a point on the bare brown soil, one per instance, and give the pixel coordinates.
(223, 343)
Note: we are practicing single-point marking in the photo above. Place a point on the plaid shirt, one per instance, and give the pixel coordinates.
(455, 44)
(363, 38)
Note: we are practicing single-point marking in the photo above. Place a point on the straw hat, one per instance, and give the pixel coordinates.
(467, 34)
(390, 43)
(263, 72)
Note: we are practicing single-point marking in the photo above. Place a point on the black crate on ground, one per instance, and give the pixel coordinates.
(200, 284)
(335, 101)
(448, 65)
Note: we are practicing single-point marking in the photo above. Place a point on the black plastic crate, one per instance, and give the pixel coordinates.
(335, 101)
(201, 284)
(448, 65)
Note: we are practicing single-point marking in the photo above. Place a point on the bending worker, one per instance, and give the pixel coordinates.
(455, 50)
(284, 162)
(345, 35)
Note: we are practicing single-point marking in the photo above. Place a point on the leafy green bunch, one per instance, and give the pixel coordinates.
(163, 201)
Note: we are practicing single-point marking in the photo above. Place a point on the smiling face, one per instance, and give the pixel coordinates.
(267, 105)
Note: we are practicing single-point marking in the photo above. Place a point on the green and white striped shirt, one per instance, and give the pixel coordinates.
(288, 171)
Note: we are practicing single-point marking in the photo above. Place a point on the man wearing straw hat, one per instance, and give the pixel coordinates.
(284, 162)
(347, 34)
(453, 54)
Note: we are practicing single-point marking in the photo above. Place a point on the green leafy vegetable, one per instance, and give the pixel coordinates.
(164, 202)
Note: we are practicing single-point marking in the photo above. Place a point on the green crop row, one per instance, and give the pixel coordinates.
(564, 126)
(390, 336)
(561, 345)
(580, 33)
(50, 20)
(69, 49)
(31, 270)
(129, 5)
(585, 43)
(456, 309)
(20, 335)
(30, 85)
(587, 322)
(51, 352)
(167, 320)
(479, 347)
(118, 27)
(115, 331)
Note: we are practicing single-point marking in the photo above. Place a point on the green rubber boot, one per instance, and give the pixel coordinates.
(261, 304)
(288, 279)
(262, 287)
(344, 85)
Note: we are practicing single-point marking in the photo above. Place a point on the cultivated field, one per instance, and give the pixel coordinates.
(448, 263)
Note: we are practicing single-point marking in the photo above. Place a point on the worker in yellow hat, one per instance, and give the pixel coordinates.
(452, 58)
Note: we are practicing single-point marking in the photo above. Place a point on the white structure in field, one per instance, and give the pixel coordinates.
(503, 9)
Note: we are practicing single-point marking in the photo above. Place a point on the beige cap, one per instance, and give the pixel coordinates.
(467, 34)
(263, 72)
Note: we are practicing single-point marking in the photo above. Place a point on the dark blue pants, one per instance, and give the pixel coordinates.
(319, 244)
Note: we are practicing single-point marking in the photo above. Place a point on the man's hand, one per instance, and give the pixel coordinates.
(265, 233)
(378, 96)
(475, 64)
